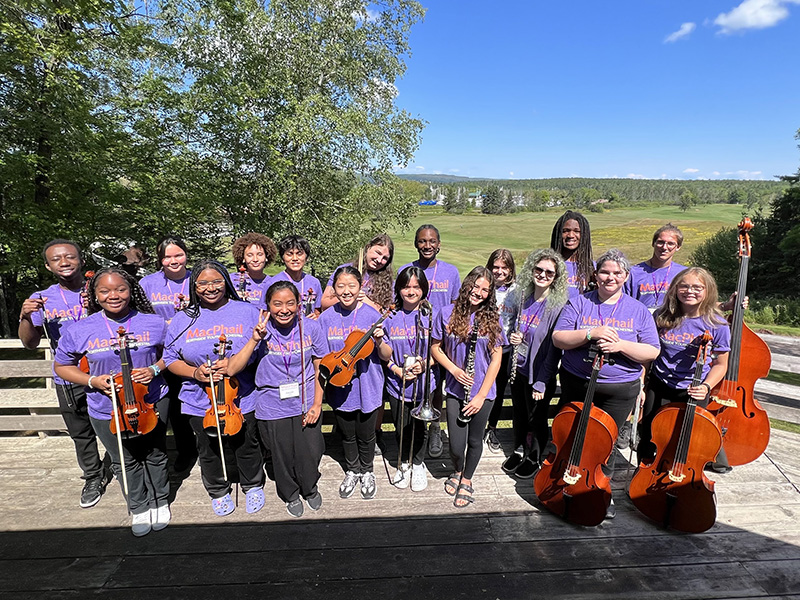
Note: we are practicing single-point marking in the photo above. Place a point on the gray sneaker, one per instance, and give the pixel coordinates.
(295, 507)
(368, 487)
(92, 491)
(314, 502)
(348, 485)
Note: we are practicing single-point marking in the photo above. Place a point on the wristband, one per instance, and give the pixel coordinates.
(156, 370)
(708, 387)
(588, 335)
(89, 383)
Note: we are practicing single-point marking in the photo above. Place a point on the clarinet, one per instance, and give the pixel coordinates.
(472, 344)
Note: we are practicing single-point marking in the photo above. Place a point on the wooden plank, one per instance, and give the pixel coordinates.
(57, 573)
(16, 344)
(777, 577)
(32, 423)
(28, 398)
(26, 368)
(785, 362)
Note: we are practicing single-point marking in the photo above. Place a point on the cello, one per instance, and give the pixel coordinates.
(571, 482)
(339, 367)
(673, 490)
(223, 417)
(743, 422)
(133, 415)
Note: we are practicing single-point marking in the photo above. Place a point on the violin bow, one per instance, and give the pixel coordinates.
(303, 399)
(118, 422)
(216, 418)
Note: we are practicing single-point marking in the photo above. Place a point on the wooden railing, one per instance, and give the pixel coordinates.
(33, 409)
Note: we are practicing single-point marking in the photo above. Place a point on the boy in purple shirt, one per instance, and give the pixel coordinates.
(650, 280)
(252, 253)
(295, 251)
(51, 313)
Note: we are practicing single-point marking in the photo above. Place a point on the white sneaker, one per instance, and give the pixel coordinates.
(140, 524)
(368, 485)
(159, 517)
(419, 478)
(400, 479)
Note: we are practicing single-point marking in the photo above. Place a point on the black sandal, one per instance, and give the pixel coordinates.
(453, 480)
(464, 497)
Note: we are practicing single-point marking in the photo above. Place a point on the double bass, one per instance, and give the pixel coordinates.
(673, 490)
(571, 482)
(742, 420)
(132, 415)
(223, 416)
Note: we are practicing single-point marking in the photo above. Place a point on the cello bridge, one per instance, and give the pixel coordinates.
(571, 479)
(730, 402)
(676, 478)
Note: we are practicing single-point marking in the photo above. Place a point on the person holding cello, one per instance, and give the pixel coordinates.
(116, 302)
(193, 338)
(688, 311)
(620, 327)
(468, 342)
(355, 405)
(572, 238)
(295, 251)
(287, 355)
(50, 313)
(252, 253)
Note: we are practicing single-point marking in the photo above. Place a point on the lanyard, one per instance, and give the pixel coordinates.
(66, 304)
(127, 325)
(611, 316)
(287, 358)
(409, 338)
(169, 287)
(664, 282)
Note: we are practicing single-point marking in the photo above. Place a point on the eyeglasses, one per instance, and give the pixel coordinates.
(685, 287)
(548, 274)
(667, 245)
(217, 284)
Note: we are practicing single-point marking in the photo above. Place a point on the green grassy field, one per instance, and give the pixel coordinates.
(467, 240)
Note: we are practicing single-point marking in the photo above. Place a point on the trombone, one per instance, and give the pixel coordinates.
(425, 411)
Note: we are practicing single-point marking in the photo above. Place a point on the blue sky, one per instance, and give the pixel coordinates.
(635, 88)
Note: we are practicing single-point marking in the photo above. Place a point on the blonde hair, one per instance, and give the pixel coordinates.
(670, 314)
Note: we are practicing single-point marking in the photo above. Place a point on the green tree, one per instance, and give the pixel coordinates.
(687, 200)
(492, 201)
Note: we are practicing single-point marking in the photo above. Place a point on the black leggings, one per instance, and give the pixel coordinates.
(358, 439)
(530, 416)
(466, 439)
(411, 428)
(501, 382)
(617, 399)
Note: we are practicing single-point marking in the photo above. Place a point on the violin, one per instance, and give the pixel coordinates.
(571, 482)
(744, 423)
(338, 368)
(223, 416)
(307, 303)
(241, 288)
(181, 302)
(133, 415)
(673, 490)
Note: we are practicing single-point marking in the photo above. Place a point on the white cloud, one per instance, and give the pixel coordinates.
(745, 174)
(511, 173)
(754, 14)
(455, 170)
(684, 31)
(419, 167)
(716, 173)
(663, 176)
(690, 170)
(635, 176)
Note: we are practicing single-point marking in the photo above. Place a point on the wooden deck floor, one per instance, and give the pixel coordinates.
(400, 545)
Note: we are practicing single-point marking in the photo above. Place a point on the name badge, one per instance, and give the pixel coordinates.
(522, 351)
(289, 390)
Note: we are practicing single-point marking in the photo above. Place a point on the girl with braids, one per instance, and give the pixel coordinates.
(537, 302)
(255, 252)
(501, 264)
(215, 308)
(377, 274)
(474, 309)
(689, 309)
(572, 239)
(115, 300)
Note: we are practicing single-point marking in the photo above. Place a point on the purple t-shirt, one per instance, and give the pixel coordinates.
(444, 283)
(401, 331)
(365, 391)
(649, 285)
(456, 351)
(278, 359)
(163, 292)
(632, 321)
(255, 292)
(307, 282)
(575, 287)
(96, 338)
(675, 365)
(63, 308)
(192, 341)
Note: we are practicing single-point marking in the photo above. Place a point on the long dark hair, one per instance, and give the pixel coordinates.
(402, 281)
(170, 240)
(583, 253)
(138, 302)
(380, 281)
(193, 308)
(487, 317)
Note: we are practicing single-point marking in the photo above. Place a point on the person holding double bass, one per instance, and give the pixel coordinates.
(118, 308)
(194, 352)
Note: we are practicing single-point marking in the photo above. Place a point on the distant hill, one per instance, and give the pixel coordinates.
(436, 178)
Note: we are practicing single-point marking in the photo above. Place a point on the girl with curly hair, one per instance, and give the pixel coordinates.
(474, 309)
(378, 279)
(252, 253)
(538, 300)
(116, 300)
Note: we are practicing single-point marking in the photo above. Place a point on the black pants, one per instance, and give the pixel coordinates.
(617, 399)
(245, 448)
(411, 428)
(296, 452)
(466, 439)
(530, 416)
(501, 382)
(145, 465)
(74, 411)
(358, 439)
(182, 432)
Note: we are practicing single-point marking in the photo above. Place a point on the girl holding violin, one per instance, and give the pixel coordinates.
(116, 302)
(467, 341)
(377, 256)
(295, 251)
(650, 280)
(688, 311)
(405, 338)
(355, 405)
(286, 376)
(252, 253)
(192, 352)
(543, 292)
(572, 239)
(501, 264)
